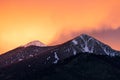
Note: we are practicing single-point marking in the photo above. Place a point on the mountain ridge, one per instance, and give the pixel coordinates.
(32, 60)
(81, 44)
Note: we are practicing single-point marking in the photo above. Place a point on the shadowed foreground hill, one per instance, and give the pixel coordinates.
(87, 67)
(80, 67)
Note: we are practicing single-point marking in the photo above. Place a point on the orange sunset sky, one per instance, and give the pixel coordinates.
(22, 21)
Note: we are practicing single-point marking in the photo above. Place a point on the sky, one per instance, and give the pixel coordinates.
(56, 21)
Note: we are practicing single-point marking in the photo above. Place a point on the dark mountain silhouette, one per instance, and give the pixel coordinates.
(79, 58)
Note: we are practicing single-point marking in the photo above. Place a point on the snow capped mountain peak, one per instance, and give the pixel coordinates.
(86, 43)
(86, 37)
(34, 43)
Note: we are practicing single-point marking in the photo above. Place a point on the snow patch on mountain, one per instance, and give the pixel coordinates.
(20, 59)
(86, 42)
(56, 58)
(74, 52)
(34, 43)
(48, 58)
(75, 42)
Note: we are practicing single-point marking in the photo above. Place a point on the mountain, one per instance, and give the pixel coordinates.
(23, 52)
(38, 60)
(89, 44)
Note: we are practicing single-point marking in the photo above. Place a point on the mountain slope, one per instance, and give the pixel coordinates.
(21, 53)
(36, 61)
(86, 67)
(80, 67)
(53, 54)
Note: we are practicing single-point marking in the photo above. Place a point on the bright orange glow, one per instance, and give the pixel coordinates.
(22, 21)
